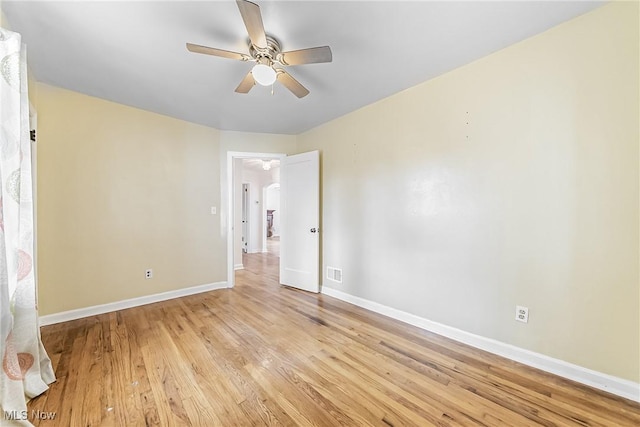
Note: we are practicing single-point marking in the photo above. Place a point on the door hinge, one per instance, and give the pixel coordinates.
(33, 135)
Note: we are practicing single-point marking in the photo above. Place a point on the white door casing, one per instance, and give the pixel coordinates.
(300, 220)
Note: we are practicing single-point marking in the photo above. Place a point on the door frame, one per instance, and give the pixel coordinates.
(245, 216)
(230, 211)
(33, 125)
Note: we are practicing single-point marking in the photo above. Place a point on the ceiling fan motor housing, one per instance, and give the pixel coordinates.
(271, 51)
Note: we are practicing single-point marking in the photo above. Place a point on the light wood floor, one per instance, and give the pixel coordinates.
(262, 354)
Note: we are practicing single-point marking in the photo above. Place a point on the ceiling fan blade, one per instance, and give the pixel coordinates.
(253, 21)
(246, 84)
(292, 84)
(312, 55)
(216, 52)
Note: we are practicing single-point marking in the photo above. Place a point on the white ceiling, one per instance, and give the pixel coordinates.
(134, 52)
(256, 164)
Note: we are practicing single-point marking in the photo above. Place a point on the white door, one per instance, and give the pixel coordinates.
(299, 221)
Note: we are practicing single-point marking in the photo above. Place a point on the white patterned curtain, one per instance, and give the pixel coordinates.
(26, 368)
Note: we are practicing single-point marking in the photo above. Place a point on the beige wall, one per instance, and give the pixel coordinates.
(257, 142)
(121, 190)
(513, 180)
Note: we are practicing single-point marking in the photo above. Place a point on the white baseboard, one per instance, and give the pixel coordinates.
(618, 386)
(65, 316)
(238, 267)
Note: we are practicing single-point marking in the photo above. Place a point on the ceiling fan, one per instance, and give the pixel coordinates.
(265, 51)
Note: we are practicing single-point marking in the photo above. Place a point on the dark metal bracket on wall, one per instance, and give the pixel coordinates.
(33, 135)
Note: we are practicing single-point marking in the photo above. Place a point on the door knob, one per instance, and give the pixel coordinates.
(313, 230)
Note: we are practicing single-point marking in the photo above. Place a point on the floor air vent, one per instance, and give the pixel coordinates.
(334, 274)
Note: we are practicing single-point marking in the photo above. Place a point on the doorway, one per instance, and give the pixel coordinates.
(253, 181)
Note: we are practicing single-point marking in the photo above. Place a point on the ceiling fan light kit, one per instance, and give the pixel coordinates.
(265, 51)
(264, 74)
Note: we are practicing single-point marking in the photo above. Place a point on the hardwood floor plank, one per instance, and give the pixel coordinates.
(185, 358)
(124, 384)
(165, 396)
(456, 401)
(396, 410)
(255, 398)
(264, 354)
(301, 412)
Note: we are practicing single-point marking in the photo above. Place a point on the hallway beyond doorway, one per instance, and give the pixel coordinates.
(266, 264)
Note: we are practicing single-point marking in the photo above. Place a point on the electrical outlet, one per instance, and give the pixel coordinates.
(148, 274)
(522, 314)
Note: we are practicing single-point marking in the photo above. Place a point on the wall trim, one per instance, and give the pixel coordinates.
(94, 310)
(609, 383)
(238, 267)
